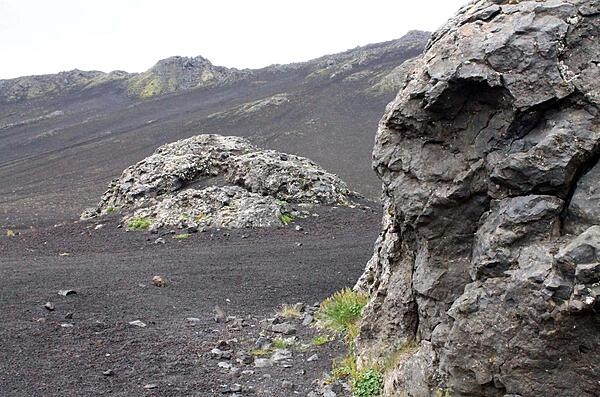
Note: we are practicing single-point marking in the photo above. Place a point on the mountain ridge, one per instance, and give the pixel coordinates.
(177, 73)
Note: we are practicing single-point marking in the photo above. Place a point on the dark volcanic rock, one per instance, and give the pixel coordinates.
(488, 256)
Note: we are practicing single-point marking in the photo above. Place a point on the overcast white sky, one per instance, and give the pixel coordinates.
(48, 36)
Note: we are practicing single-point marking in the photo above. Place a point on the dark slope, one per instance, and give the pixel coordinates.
(58, 151)
(248, 274)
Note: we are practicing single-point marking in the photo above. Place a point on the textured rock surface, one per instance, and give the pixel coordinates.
(181, 73)
(213, 181)
(488, 255)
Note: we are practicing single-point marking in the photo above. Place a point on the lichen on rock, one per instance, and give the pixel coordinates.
(213, 181)
(487, 258)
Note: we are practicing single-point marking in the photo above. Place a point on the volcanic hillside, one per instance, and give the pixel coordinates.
(64, 137)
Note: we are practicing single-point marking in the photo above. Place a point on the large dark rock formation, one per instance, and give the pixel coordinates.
(488, 259)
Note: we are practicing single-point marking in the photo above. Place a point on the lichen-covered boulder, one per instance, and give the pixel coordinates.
(228, 207)
(214, 181)
(487, 258)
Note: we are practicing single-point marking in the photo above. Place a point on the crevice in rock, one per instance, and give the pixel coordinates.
(587, 165)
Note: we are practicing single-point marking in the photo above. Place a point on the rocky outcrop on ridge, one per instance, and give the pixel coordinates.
(181, 73)
(488, 259)
(213, 181)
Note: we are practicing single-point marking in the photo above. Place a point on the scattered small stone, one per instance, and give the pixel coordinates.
(99, 226)
(284, 328)
(262, 362)
(150, 386)
(108, 372)
(219, 315)
(138, 323)
(327, 392)
(220, 354)
(245, 359)
(286, 384)
(236, 387)
(49, 306)
(281, 355)
(158, 281)
(314, 357)
(66, 292)
(192, 320)
(224, 365)
(298, 228)
(66, 325)
(64, 254)
(308, 319)
(226, 344)
(298, 244)
(262, 343)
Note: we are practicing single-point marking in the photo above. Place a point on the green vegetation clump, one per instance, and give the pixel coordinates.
(364, 382)
(445, 392)
(140, 223)
(286, 219)
(111, 209)
(280, 343)
(367, 383)
(10, 233)
(320, 340)
(182, 236)
(340, 312)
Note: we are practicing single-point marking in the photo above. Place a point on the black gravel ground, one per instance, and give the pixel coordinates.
(248, 273)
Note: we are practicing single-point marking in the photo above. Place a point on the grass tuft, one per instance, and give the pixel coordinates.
(182, 236)
(10, 233)
(340, 312)
(286, 219)
(288, 311)
(140, 223)
(280, 343)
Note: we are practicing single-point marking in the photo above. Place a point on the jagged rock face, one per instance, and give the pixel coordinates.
(487, 258)
(214, 181)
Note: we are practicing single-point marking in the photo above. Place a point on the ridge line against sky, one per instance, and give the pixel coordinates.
(42, 37)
